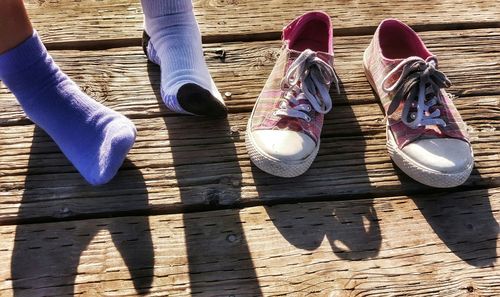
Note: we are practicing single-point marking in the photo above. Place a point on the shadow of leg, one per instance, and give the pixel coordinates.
(44, 263)
(45, 259)
(207, 172)
(133, 240)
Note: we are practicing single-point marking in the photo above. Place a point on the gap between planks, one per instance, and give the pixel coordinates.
(417, 245)
(117, 77)
(79, 20)
(190, 209)
(103, 44)
(362, 118)
(347, 168)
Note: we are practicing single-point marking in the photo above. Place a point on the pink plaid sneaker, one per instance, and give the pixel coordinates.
(283, 132)
(426, 136)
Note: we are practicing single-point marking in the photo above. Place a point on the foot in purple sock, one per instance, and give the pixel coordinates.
(93, 137)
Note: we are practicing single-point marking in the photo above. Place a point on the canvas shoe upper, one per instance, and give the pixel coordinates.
(283, 133)
(427, 137)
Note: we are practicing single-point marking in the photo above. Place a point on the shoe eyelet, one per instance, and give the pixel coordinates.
(283, 104)
(308, 108)
(413, 116)
(275, 113)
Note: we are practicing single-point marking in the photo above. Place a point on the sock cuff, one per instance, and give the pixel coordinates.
(156, 8)
(22, 56)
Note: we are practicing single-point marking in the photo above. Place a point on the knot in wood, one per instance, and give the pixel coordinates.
(63, 213)
(236, 183)
(212, 197)
(232, 238)
(221, 55)
(234, 130)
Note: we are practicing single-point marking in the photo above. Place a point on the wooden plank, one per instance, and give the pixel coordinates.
(73, 21)
(176, 166)
(437, 245)
(121, 78)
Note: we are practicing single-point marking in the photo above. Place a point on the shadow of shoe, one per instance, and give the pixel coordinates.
(45, 262)
(351, 228)
(356, 235)
(464, 221)
(465, 224)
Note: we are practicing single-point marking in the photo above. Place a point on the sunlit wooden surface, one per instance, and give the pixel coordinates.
(189, 215)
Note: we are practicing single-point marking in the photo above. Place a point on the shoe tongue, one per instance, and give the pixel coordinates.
(393, 63)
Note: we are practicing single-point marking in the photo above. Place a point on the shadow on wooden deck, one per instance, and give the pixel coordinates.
(229, 268)
(49, 263)
(52, 262)
(350, 239)
(471, 235)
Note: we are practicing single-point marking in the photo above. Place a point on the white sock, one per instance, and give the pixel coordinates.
(175, 44)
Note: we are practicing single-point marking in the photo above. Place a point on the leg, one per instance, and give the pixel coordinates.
(15, 27)
(93, 137)
(173, 41)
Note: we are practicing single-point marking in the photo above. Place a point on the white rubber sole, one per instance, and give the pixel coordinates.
(413, 169)
(422, 174)
(275, 166)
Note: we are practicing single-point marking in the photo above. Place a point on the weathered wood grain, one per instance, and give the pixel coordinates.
(158, 227)
(182, 166)
(121, 21)
(121, 78)
(437, 245)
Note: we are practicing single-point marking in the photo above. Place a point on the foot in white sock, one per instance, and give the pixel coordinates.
(172, 40)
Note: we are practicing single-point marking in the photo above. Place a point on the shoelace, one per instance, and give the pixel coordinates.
(420, 84)
(308, 77)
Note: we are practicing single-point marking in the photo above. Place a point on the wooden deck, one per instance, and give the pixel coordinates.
(189, 215)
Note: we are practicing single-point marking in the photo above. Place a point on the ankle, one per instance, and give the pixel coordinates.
(158, 8)
(180, 24)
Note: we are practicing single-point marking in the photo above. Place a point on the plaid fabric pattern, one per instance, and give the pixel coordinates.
(269, 99)
(377, 68)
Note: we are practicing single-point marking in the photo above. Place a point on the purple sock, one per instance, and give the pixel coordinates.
(93, 137)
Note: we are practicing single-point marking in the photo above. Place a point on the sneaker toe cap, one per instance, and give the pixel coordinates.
(284, 145)
(445, 155)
